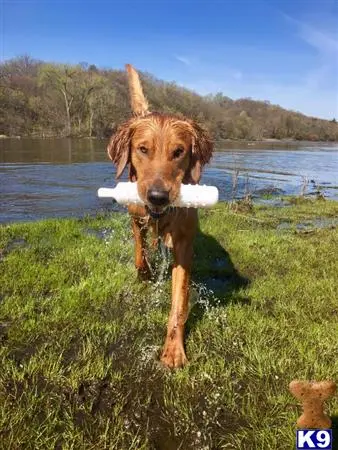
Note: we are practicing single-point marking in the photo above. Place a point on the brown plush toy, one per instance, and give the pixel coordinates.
(312, 394)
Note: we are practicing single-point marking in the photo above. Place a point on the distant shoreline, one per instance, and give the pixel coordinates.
(224, 142)
(274, 143)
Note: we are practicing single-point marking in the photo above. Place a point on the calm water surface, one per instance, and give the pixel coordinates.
(60, 177)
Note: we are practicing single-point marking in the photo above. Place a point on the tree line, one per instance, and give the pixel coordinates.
(40, 99)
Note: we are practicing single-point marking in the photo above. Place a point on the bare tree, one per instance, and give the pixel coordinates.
(62, 79)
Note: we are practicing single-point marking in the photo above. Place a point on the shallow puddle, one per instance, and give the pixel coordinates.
(307, 225)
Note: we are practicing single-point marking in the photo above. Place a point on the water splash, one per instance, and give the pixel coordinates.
(203, 297)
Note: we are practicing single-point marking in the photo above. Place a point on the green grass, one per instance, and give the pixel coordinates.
(80, 337)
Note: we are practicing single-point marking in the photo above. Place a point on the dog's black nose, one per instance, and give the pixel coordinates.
(158, 197)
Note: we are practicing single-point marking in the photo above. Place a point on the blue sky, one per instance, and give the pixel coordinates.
(284, 51)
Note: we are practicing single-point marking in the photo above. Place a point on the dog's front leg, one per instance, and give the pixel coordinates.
(141, 263)
(173, 353)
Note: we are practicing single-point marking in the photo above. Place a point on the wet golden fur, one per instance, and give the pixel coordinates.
(166, 151)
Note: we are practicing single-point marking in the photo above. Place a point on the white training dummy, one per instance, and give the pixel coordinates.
(191, 195)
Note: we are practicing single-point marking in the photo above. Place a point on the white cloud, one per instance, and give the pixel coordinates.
(318, 94)
(237, 74)
(319, 39)
(323, 42)
(183, 59)
(301, 77)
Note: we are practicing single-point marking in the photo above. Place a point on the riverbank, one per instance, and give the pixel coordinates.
(271, 144)
(222, 142)
(81, 337)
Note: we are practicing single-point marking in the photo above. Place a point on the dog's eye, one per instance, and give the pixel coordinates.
(143, 149)
(178, 152)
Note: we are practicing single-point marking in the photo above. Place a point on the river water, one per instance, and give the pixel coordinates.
(41, 178)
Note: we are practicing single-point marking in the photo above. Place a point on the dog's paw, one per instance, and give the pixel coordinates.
(173, 355)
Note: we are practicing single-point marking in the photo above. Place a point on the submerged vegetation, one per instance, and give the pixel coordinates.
(80, 337)
(50, 100)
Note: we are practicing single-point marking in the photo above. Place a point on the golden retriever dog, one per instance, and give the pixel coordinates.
(162, 151)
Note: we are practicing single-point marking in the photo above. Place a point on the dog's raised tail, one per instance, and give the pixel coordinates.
(139, 103)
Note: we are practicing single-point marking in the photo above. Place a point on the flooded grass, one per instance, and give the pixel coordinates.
(80, 336)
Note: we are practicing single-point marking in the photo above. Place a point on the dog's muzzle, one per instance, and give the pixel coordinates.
(158, 202)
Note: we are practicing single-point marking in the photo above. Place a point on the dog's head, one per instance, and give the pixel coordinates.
(162, 151)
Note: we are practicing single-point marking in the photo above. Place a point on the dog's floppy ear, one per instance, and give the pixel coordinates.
(119, 147)
(201, 152)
